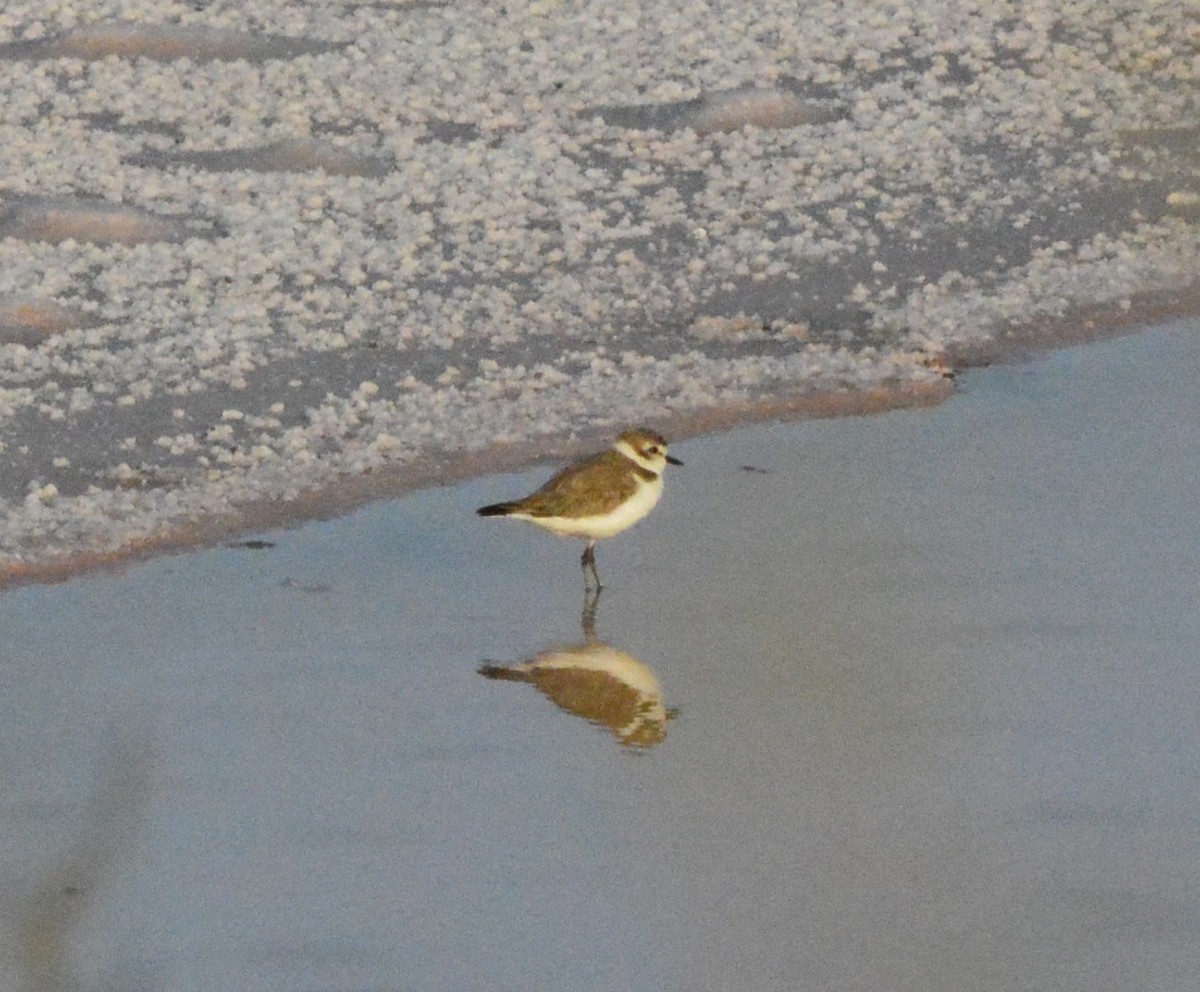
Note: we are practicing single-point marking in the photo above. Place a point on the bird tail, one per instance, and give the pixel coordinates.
(502, 673)
(497, 510)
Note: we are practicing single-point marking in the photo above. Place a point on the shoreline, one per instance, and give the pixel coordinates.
(350, 492)
(1083, 326)
(931, 674)
(396, 235)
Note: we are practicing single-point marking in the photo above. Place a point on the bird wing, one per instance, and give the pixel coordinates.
(581, 481)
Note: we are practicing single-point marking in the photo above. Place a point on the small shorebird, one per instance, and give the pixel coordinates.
(599, 496)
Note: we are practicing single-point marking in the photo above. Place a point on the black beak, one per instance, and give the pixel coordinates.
(673, 461)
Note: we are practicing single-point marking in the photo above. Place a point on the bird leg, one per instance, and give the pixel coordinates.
(589, 561)
(591, 600)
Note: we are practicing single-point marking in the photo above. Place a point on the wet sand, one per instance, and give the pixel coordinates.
(928, 721)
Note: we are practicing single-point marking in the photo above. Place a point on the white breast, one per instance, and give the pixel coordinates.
(606, 525)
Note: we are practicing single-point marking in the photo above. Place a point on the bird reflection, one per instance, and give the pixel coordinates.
(598, 682)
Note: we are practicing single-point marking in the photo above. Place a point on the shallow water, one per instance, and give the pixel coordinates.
(937, 724)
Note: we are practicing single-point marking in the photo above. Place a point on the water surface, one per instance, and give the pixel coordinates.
(936, 729)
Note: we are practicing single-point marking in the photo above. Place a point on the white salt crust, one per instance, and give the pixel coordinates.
(244, 252)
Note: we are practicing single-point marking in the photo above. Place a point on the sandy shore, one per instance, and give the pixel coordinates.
(252, 257)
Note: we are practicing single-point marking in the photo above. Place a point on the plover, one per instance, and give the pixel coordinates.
(599, 496)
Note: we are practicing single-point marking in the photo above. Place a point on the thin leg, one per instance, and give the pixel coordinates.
(591, 599)
(588, 561)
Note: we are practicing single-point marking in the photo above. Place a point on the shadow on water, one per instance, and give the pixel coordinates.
(44, 921)
(602, 684)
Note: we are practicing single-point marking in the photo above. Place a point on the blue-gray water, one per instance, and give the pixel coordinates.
(937, 728)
